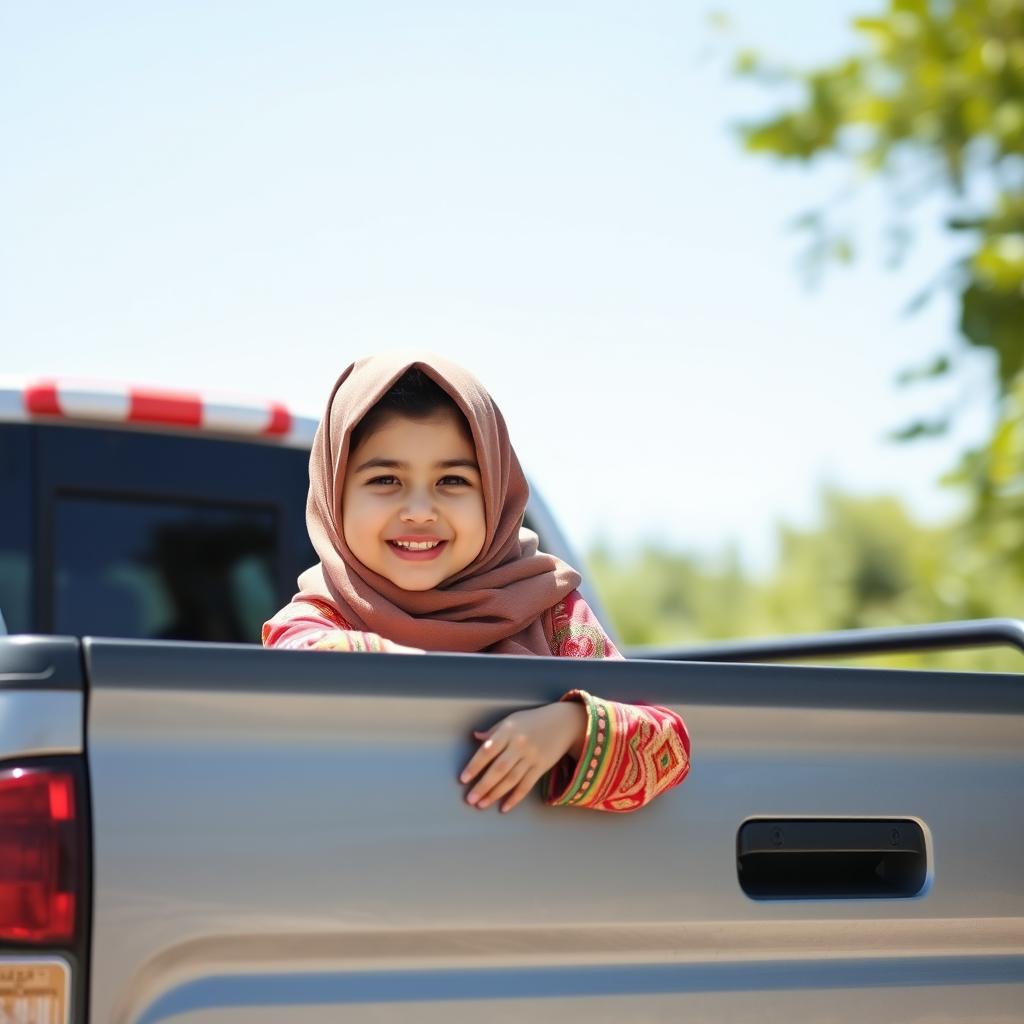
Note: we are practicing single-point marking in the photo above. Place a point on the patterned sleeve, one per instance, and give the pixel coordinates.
(576, 633)
(631, 754)
(313, 625)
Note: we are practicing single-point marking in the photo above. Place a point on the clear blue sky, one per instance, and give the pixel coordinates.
(246, 196)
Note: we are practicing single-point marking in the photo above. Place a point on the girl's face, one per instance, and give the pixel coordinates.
(412, 505)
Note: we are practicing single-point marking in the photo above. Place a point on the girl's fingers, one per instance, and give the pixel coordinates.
(501, 767)
(528, 781)
(489, 750)
(511, 779)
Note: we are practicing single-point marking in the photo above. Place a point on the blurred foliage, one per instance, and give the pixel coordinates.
(994, 473)
(932, 107)
(868, 564)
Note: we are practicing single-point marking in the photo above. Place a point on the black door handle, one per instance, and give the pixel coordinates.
(831, 858)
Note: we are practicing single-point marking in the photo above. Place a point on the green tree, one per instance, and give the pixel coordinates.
(931, 106)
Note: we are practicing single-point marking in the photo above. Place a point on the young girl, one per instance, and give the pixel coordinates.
(416, 503)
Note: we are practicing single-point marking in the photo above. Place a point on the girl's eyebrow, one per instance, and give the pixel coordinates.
(395, 464)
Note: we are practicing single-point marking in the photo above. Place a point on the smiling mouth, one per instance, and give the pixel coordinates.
(417, 550)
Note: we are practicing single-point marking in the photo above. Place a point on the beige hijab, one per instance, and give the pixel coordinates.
(495, 604)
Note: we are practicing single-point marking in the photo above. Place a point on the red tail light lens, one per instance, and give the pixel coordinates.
(38, 855)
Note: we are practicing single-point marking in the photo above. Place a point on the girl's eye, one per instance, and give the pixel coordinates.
(383, 481)
(453, 481)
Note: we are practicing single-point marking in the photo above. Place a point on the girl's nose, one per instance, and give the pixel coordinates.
(418, 509)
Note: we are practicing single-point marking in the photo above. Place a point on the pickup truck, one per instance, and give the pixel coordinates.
(197, 830)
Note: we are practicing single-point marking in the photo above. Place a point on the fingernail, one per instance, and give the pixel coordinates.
(464, 777)
(471, 799)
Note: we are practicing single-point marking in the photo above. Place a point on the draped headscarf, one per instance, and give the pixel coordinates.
(496, 602)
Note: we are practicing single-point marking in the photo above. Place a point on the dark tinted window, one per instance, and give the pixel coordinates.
(15, 528)
(163, 569)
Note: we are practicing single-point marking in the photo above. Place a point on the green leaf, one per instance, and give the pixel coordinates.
(938, 367)
(746, 62)
(921, 429)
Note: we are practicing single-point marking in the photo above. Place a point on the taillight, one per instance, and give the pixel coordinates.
(40, 847)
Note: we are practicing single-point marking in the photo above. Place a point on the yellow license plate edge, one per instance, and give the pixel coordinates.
(34, 990)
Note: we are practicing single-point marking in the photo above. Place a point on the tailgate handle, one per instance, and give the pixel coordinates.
(831, 858)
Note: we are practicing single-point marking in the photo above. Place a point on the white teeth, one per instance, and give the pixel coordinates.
(416, 545)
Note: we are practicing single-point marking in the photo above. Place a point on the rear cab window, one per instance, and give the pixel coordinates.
(167, 570)
(146, 535)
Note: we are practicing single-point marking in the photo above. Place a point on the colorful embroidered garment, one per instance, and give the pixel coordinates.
(308, 623)
(573, 631)
(631, 753)
(313, 624)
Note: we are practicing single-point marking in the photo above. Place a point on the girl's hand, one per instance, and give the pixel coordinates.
(520, 749)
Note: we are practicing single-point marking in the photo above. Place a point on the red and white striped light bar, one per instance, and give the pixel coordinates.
(100, 403)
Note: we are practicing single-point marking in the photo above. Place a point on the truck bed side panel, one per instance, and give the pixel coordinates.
(281, 836)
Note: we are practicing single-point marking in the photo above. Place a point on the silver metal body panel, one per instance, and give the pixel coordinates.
(37, 723)
(292, 845)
